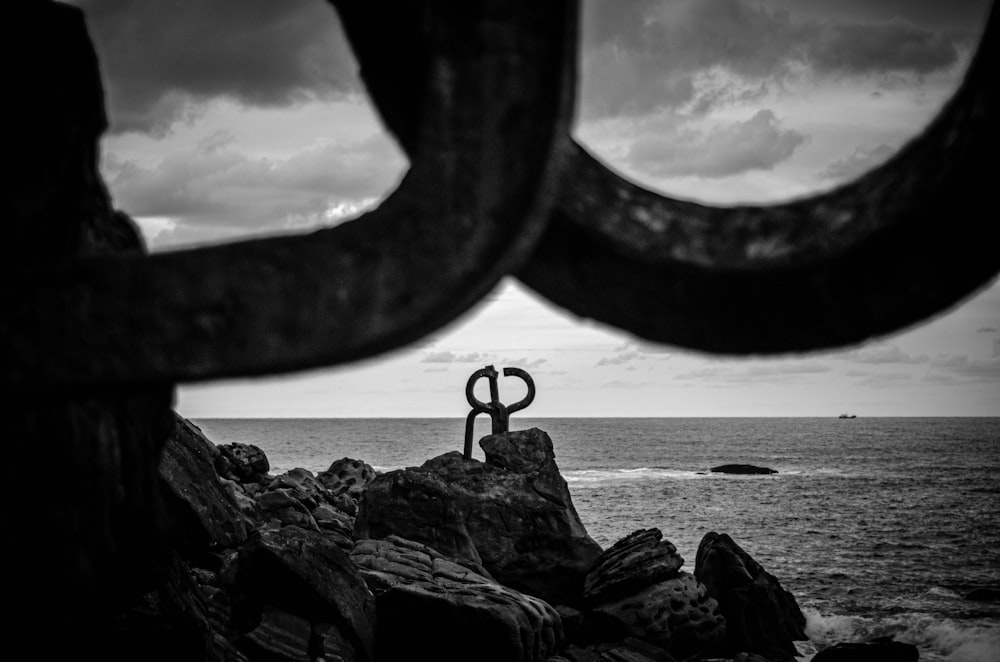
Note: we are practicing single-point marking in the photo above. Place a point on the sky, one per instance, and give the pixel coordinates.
(233, 119)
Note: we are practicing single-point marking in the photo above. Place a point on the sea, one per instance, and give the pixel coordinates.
(877, 526)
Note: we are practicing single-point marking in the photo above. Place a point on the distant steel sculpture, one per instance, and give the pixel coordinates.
(498, 412)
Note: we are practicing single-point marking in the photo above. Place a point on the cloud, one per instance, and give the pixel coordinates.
(630, 352)
(758, 372)
(619, 358)
(884, 354)
(214, 186)
(524, 362)
(860, 161)
(894, 46)
(161, 59)
(451, 357)
(758, 143)
(979, 370)
(640, 57)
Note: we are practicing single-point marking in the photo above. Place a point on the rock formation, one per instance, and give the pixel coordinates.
(761, 616)
(883, 650)
(742, 469)
(636, 589)
(432, 608)
(511, 514)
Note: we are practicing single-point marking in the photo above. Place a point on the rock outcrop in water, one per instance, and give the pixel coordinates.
(742, 469)
(512, 514)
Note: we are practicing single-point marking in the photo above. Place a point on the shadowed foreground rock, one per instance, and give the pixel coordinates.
(432, 608)
(512, 514)
(761, 616)
(636, 589)
(873, 651)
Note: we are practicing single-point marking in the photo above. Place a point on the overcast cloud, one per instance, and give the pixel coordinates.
(162, 59)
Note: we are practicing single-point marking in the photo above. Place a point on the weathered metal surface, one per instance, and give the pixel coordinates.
(900, 244)
(498, 412)
(494, 110)
(479, 95)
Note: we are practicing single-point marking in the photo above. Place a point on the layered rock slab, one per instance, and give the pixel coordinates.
(431, 607)
(512, 514)
(636, 589)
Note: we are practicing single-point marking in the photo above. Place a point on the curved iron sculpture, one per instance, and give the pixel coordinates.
(481, 102)
(498, 412)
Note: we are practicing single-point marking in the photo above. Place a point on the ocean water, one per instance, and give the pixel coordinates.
(878, 526)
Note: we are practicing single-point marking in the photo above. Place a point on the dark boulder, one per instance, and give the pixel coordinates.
(983, 595)
(205, 515)
(512, 514)
(883, 650)
(433, 608)
(634, 562)
(742, 469)
(243, 463)
(761, 616)
(307, 575)
(636, 589)
(347, 476)
(676, 614)
(297, 498)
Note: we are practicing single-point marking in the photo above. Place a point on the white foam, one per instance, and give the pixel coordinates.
(634, 474)
(937, 638)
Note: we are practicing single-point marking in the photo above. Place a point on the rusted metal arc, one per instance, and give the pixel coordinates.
(902, 243)
(494, 113)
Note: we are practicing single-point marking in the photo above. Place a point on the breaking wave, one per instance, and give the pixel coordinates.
(937, 638)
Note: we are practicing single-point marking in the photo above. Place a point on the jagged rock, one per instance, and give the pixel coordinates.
(676, 614)
(176, 621)
(347, 476)
(634, 562)
(205, 513)
(513, 514)
(874, 651)
(245, 502)
(761, 616)
(285, 637)
(244, 463)
(629, 649)
(432, 608)
(301, 485)
(281, 505)
(743, 469)
(305, 574)
(572, 621)
(297, 498)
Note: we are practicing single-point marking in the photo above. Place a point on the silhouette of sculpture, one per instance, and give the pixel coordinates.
(498, 412)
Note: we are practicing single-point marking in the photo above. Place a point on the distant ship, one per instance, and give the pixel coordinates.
(848, 416)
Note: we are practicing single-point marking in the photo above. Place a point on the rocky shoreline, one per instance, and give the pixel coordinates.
(453, 560)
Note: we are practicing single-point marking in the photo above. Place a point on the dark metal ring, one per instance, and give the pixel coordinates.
(493, 104)
(898, 245)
